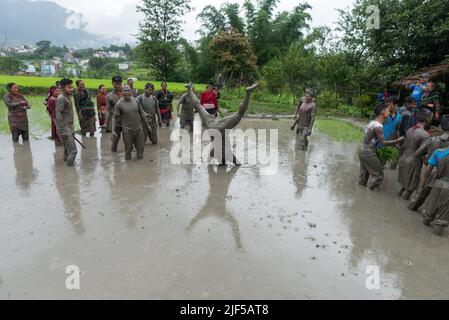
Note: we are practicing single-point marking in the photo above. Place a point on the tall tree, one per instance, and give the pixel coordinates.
(159, 34)
(232, 52)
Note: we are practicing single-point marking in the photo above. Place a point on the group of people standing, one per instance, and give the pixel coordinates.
(423, 163)
(121, 112)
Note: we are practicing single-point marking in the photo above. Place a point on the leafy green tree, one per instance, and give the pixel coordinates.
(10, 65)
(234, 56)
(159, 33)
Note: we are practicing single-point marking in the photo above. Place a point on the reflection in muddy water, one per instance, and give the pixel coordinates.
(220, 179)
(26, 174)
(151, 229)
(68, 186)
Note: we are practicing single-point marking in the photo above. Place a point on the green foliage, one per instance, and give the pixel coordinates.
(159, 34)
(233, 53)
(327, 99)
(10, 65)
(388, 154)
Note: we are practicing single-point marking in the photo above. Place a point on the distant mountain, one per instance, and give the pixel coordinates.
(27, 22)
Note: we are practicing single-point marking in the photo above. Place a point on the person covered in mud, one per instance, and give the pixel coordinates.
(437, 207)
(431, 101)
(134, 91)
(101, 104)
(426, 150)
(51, 108)
(410, 166)
(221, 124)
(64, 121)
(165, 99)
(185, 111)
(370, 164)
(85, 109)
(305, 118)
(407, 113)
(131, 116)
(110, 122)
(17, 113)
(150, 105)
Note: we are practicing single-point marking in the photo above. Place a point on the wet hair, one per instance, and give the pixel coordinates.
(100, 86)
(379, 108)
(410, 100)
(445, 122)
(163, 82)
(10, 85)
(78, 82)
(393, 99)
(149, 86)
(57, 83)
(422, 115)
(126, 87)
(117, 79)
(65, 82)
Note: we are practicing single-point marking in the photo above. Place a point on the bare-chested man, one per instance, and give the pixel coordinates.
(64, 121)
(131, 114)
(111, 100)
(150, 105)
(221, 124)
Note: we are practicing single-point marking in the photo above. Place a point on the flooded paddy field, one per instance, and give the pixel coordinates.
(156, 230)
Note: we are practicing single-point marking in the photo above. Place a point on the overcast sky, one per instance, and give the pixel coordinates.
(119, 18)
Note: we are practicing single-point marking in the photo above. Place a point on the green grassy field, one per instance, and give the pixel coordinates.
(339, 130)
(43, 82)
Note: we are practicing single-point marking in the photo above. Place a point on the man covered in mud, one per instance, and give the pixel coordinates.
(407, 113)
(370, 164)
(165, 99)
(221, 124)
(305, 118)
(113, 124)
(150, 105)
(410, 166)
(64, 121)
(131, 116)
(426, 150)
(185, 111)
(134, 91)
(17, 113)
(85, 109)
(437, 208)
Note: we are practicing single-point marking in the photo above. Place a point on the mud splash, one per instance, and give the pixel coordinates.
(153, 230)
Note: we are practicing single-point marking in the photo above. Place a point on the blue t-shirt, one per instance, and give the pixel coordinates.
(417, 92)
(437, 156)
(390, 126)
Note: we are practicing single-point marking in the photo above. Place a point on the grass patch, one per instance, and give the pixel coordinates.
(93, 84)
(339, 130)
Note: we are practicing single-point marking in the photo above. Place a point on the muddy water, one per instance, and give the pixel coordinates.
(153, 230)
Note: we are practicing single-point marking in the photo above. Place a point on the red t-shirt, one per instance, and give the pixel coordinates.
(209, 98)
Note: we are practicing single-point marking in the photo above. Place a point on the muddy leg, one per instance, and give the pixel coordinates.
(71, 150)
(139, 143)
(415, 205)
(116, 138)
(407, 194)
(129, 146)
(364, 174)
(25, 135)
(245, 103)
(15, 135)
(204, 115)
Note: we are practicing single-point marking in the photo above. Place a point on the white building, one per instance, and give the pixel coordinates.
(123, 66)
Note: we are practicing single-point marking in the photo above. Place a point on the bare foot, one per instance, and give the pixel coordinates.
(252, 88)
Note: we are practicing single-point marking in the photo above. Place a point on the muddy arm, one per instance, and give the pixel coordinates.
(381, 137)
(12, 106)
(312, 119)
(109, 108)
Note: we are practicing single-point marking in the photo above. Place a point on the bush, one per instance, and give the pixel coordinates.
(329, 100)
